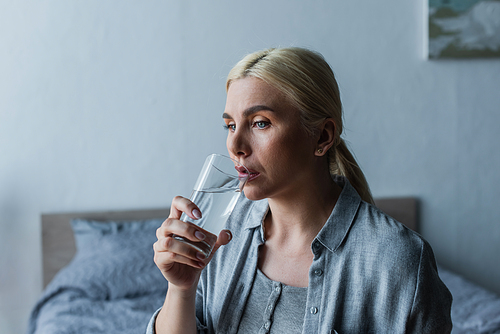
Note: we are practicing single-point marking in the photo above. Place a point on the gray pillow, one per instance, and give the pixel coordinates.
(114, 259)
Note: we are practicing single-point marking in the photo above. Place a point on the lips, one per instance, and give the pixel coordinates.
(253, 176)
(243, 173)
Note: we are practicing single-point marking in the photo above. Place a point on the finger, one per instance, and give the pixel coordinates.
(180, 205)
(186, 230)
(172, 250)
(165, 260)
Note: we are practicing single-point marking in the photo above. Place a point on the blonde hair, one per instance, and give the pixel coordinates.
(308, 81)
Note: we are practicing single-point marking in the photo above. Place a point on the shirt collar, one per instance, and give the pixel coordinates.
(336, 227)
(258, 212)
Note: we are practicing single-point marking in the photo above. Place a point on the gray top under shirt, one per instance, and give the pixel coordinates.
(273, 307)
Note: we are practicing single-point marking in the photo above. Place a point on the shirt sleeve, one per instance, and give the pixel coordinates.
(431, 310)
(151, 326)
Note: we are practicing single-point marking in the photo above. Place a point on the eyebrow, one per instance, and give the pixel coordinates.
(250, 111)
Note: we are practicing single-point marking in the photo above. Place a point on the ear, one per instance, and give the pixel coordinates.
(326, 137)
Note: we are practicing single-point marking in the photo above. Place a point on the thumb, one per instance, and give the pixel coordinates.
(224, 238)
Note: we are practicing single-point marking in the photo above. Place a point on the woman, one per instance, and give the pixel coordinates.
(309, 252)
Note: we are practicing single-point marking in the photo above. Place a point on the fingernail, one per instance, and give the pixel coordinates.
(199, 235)
(200, 256)
(229, 235)
(197, 213)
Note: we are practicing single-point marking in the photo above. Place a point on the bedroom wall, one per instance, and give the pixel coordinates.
(107, 105)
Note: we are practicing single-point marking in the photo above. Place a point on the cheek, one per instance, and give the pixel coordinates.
(283, 155)
(298, 151)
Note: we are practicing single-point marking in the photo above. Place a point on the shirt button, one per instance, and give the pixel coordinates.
(267, 325)
(313, 310)
(318, 272)
(277, 289)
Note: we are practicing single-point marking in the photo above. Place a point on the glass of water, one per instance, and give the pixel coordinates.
(219, 185)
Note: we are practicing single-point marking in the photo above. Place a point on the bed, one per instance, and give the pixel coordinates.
(99, 275)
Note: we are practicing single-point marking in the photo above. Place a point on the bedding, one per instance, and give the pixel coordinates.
(474, 309)
(111, 286)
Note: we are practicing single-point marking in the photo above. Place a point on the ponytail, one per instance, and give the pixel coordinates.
(342, 162)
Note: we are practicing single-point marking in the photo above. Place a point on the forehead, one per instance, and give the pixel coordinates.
(250, 91)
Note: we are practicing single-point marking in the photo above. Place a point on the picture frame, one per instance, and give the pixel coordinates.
(463, 29)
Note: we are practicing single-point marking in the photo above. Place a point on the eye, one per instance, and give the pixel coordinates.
(261, 124)
(231, 127)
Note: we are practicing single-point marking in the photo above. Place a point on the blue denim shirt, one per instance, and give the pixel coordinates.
(370, 274)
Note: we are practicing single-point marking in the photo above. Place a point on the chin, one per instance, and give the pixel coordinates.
(253, 194)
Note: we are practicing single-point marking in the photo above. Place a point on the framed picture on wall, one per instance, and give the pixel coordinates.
(463, 29)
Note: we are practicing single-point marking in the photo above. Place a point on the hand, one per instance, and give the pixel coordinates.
(180, 263)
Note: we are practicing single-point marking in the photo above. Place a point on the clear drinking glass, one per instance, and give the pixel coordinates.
(216, 192)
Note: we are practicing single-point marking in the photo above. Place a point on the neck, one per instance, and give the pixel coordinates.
(298, 216)
(295, 218)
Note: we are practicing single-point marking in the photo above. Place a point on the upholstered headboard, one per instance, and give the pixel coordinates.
(403, 209)
(58, 243)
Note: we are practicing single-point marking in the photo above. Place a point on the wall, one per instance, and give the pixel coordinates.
(113, 105)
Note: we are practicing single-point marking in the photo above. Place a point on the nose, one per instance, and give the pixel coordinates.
(238, 144)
